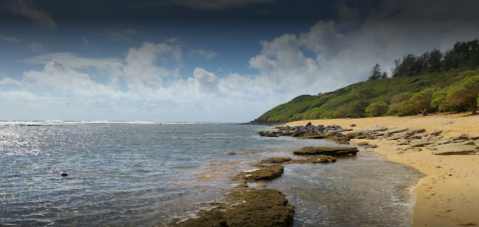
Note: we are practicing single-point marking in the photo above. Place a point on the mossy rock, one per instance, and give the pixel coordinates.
(247, 208)
(275, 160)
(266, 207)
(339, 138)
(263, 173)
(331, 151)
(210, 218)
(315, 159)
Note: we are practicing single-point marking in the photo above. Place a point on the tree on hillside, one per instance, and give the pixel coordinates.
(375, 73)
(363, 93)
(397, 100)
(421, 101)
(377, 109)
(384, 75)
(406, 67)
(435, 58)
(465, 93)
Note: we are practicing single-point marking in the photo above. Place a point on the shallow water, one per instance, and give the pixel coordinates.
(365, 191)
(146, 174)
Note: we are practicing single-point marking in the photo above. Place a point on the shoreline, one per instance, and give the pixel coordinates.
(449, 193)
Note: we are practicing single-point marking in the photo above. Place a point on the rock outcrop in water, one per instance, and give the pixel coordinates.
(310, 159)
(246, 207)
(330, 151)
(262, 173)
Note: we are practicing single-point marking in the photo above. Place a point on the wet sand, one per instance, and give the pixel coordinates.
(449, 194)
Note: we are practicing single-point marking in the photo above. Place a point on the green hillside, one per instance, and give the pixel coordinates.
(419, 85)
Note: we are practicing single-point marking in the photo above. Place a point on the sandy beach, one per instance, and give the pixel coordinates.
(449, 194)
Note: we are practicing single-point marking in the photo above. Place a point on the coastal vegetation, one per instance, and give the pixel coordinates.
(432, 82)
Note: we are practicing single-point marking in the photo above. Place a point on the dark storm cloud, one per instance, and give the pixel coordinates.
(47, 12)
(30, 10)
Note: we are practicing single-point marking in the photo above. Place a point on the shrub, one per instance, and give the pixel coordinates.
(377, 109)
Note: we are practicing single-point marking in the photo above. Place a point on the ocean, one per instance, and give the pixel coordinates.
(145, 174)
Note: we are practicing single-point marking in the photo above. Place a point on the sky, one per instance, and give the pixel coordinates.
(204, 60)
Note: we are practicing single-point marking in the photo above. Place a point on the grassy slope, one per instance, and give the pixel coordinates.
(306, 107)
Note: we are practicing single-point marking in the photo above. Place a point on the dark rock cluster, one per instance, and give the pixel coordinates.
(309, 131)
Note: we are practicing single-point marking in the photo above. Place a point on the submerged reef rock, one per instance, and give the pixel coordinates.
(246, 207)
(265, 207)
(331, 151)
(309, 160)
(319, 159)
(207, 218)
(276, 160)
(263, 173)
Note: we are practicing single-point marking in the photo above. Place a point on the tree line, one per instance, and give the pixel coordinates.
(463, 56)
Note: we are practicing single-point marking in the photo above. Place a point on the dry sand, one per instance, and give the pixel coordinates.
(449, 194)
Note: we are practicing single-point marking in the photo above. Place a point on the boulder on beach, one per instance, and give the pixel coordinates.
(331, 151)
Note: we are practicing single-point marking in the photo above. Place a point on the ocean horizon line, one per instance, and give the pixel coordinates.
(65, 122)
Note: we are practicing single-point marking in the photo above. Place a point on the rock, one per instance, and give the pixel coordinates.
(314, 159)
(298, 134)
(406, 134)
(331, 151)
(417, 130)
(353, 125)
(420, 143)
(403, 141)
(263, 173)
(369, 130)
(396, 130)
(473, 137)
(210, 218)
(313, 136)
(418, 136)
(443, 141)
(321, 159)
(468, 142)
(462, 137)
(338, 138)
(275, 160)
(436, 133)
(268, 134)
(246, 207)
(456, 149)
(253, 207)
